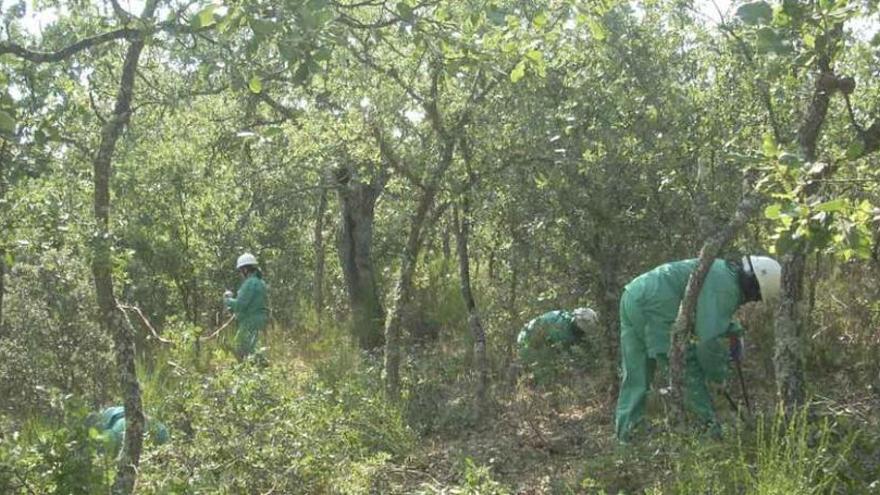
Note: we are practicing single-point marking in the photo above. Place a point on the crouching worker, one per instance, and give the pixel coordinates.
(545, 339)
(249, 306)
(648, 308)
(110, 422)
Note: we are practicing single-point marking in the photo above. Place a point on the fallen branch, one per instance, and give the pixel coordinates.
(683, 328)
(146, 322)
(215, 332)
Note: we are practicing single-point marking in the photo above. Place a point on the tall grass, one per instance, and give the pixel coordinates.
(785, 454)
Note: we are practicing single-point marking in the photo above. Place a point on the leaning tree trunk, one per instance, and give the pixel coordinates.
(683, 329)
(318, 295)
(403, 290)
(403, 294)
(462, 231)
(3, 160)
(357, 206)
(111, 317)
(2, 285)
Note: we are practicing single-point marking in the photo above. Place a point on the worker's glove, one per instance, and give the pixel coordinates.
(227, 295)
(735, 347)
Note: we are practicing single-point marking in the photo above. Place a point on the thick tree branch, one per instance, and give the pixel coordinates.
(808, 133)
(37, 56)
(121, 13)
(871, 137)
(388, 153)
(286, 112)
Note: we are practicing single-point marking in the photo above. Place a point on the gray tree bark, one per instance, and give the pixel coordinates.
(357, 211)
(403, 290)
(3, 160)
(788, 352)
(609, 313)
(683, 328)
(111, 317)
(462, 234)
(320, 254)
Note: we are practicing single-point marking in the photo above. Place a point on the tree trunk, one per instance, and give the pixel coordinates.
(788, 356)
(609, 313)
(318, 296)
(111, 318)
(788, 329)
(357, 209)
(3, 161)
(683, 329)
(402, 296)
(403, 290)
(2, 285)
(462, 231)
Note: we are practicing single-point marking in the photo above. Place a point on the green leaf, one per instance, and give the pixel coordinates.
(261, 27)
(772, 212)
(540, 20)
(597, 30)
(7, 123)
(771, 150)
(838, 204)
(518, 72)
(255, 84)
(793, 9)
(272, 131)
(302, 73)
(405, 11)
(535, 56)
(789, 159)
(496, 16)
(9, 259)
(289, 50)
(205, 17)
(755, 13)
(769, 40)
(875, 41)
(855, 150)
(809, 40)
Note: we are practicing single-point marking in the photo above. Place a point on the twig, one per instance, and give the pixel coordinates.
(146, 322)
(214, 334)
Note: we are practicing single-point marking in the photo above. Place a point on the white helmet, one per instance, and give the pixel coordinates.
(769, 275)
(584, 318)
(247, 259)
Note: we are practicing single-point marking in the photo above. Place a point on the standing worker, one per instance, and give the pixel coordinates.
(249, 306)
(648, 309)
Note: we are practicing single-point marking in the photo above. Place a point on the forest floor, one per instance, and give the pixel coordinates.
(561, 441)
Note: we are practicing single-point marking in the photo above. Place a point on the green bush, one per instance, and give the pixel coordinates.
(246, 429)
(49, 457)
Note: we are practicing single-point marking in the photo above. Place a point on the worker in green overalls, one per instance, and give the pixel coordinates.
(249, 306)
(543, 341)
(648, 308)
(110, 423)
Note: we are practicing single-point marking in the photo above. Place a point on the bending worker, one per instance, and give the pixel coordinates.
(648, 308)
(560, 329)
(111, 422)
(249, 306)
